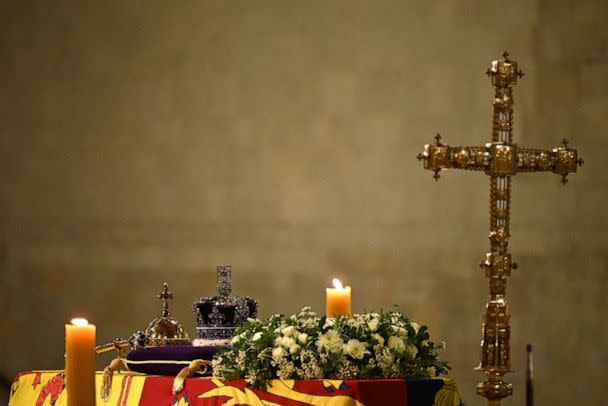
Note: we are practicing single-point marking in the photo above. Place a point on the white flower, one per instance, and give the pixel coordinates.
(400, 331)
(308, 323)
(424, 343)
(235, 340)
(415, 326)
(287, 342)
(330, 341)
(277, 353)
(386, 361)
(256, 336)
(354, 322)
(329, 322)
(218, 366)
(412, 350)
(284, 341)
(302, 337)
(396, 344)
(241, 359)
(431, 371)
(355, 349)
(289, 331)
(294, 348)
(442, 345)
(373, 325)
(285, 370)
(378, 338)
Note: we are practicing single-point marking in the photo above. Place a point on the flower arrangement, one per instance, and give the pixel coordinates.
(304, 346)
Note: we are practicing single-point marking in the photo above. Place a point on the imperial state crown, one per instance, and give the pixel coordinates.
(218, 316)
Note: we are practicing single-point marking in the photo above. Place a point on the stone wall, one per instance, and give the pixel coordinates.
(145, 142)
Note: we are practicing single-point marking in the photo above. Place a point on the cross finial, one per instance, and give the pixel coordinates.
(224, 280)
(438, 139)
(565, 143)
(505, 56)
(165, 295)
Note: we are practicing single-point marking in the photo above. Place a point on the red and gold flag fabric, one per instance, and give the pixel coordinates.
(48, 388)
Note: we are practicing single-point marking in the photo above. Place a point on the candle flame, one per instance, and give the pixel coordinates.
(337, 284)
(79, 321)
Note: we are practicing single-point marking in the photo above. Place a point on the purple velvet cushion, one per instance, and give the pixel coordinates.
(167, 360)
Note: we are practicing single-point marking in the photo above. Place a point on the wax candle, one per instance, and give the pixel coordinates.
(337, 300)
(80, 362)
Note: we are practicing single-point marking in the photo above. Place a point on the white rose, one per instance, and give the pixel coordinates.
(294, 348)
(287, 342)
(289, 331)
(412, 350)
(396, 344)
(373, 325)
(256, 336)
(235, 340)
(415, 326)
(302, 337)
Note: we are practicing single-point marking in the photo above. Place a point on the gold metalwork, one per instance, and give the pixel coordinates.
(118, 345)
(500, 159)
(162, 331)
(165, 330)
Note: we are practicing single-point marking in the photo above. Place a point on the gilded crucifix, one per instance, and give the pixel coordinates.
(500, 159)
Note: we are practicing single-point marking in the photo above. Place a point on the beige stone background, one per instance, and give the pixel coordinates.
(145, 142)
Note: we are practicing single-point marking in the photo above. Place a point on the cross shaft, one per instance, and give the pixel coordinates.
(500, 159)
(165, 295)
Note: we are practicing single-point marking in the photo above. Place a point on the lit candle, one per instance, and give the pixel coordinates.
(337, 300)
(80, 362)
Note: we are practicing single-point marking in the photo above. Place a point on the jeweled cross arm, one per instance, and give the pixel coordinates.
(500, 159)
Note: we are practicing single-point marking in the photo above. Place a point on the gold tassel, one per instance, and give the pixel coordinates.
(106, 382)
(197, 365)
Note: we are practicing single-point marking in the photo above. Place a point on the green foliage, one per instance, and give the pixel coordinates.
(304, 346)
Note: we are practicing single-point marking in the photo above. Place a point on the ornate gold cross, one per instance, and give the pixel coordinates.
(165, 295)
(500, 159)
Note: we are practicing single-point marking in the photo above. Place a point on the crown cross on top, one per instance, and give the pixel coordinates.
(224, 280)
(165, 295)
